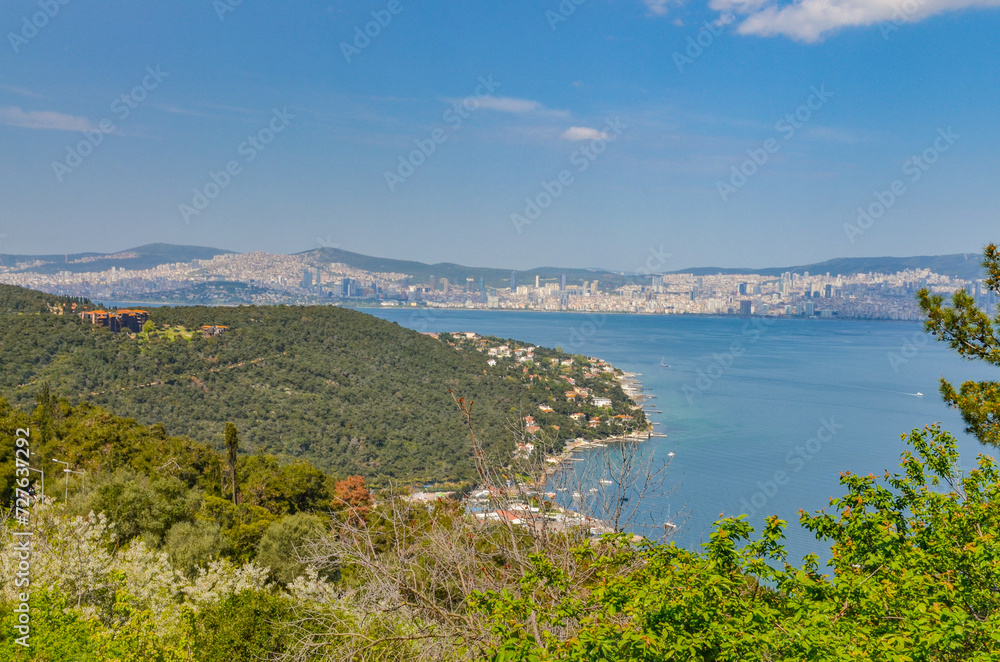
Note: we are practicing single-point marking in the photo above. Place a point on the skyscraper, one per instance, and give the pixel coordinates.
(562, 282)
(513, 281)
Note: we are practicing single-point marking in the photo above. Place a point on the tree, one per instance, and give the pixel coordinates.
(351, 495)
(232, 445)
(283, 542)
(971, 332)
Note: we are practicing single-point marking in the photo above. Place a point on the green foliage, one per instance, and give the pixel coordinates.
(971, 332)
(57, 634)
(193, 544)
(243, 524)
(915, 571)
(246, 626)
(284, 540)
(352, 393)
(140, 505)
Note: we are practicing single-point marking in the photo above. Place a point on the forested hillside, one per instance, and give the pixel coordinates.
(350, 392)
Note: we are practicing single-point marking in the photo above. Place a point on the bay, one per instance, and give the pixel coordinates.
(746, 398)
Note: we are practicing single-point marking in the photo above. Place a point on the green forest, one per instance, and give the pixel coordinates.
(171, 549)
(352, 393)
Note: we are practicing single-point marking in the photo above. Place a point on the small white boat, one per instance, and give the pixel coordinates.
(671, 454)
(606, 482)
(576, 495)
(919, 394)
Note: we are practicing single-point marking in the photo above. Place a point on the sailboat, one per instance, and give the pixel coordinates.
(664, 364)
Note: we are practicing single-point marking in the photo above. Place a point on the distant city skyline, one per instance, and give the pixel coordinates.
(723, 133)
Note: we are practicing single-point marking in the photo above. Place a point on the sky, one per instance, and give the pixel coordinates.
(619, 134)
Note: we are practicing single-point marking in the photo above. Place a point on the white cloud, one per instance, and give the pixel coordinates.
(43, 119)
(813, 20)
(582, 133)
(657, 7)
(516, 106)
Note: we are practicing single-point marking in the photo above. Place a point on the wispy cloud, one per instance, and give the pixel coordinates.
(516, 106)
(43, 119)
(20, 91)
(582, 133)
(814, 20)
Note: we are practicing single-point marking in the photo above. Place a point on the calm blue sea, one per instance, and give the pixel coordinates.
(741, 396)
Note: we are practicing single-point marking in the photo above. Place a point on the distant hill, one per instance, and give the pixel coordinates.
(457, 273)
(14, 299)
(958, 265)
(213, 293)
(141, 257)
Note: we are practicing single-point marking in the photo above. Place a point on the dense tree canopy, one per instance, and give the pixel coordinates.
(974, 334)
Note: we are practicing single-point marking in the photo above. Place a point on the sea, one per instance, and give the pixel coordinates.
(761, 414)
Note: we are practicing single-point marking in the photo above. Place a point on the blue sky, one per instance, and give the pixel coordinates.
(622, 123)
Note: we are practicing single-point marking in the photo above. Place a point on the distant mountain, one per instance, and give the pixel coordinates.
(141, 257)
(457, 273)
(959, 265)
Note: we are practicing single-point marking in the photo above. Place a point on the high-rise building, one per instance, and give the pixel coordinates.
(746, 307)
(562, 282)
(444, 285)
(513, 281)
(536, 281)
(829, 291)
(470, 284)
(432, 282)
(743, 288)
